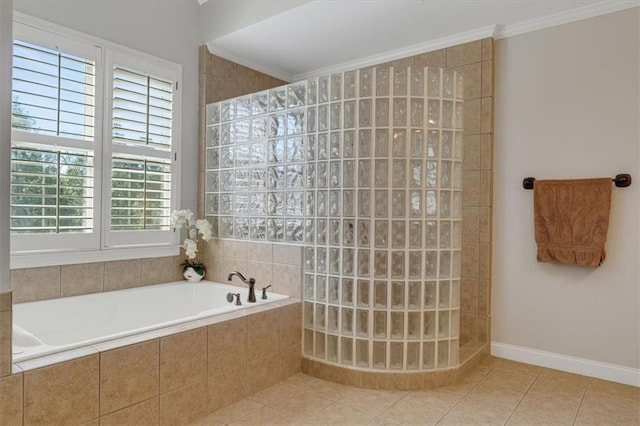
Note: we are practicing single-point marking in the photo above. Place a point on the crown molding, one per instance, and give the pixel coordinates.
(274, 72)
(412, 50)
(586, 12)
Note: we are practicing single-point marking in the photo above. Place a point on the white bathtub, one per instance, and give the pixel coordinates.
(57, 325)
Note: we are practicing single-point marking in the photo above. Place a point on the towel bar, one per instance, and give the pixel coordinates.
(621, 181)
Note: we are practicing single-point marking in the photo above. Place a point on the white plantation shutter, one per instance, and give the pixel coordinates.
(142, 152)
(54, 125)
(94, 164)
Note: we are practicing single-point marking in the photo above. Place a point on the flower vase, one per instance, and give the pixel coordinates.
(191, 275)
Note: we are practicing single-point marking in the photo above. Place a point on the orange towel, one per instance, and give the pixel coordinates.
(571, 220)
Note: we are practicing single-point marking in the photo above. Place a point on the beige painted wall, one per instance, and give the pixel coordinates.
(567, 106)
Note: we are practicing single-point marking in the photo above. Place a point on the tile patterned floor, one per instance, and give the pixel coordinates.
(497, 392)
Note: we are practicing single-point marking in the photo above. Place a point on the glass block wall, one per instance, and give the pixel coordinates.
(363, 168)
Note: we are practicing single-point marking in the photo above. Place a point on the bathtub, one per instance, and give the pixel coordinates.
(52, 326)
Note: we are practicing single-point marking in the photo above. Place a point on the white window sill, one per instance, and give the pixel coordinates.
(55, 258)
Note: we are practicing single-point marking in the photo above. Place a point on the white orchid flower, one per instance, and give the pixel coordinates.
(190, 248)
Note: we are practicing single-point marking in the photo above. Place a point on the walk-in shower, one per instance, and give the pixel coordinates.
(364, 170)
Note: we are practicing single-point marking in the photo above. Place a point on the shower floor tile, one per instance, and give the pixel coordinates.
(497, 392)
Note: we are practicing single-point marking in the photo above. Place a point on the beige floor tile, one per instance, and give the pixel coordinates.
(610, 403)
(409, 411)
(440, 397)
(600, 416)
(520, 418)
(615, 389)
(273, 393)
(266, 416)
(557, 410)
(495, 395)
(565, 391)
(382, 421)
(516, 367)
(549, 375)
(507, 379)
(236, 411)
(299, 379)
(326, 389)
(470, 412)
(461, 388)
(207, 421)
(337, 414)
(370, 401)
(302, 405)
(478, 373)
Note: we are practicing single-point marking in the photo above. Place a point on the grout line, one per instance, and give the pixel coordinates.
(584, 393)
(523, 396)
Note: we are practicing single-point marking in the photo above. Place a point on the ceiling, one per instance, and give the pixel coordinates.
(323, 36)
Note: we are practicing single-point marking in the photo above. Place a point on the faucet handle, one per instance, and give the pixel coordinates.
(230, 297)
(252, 281)
(264, 291)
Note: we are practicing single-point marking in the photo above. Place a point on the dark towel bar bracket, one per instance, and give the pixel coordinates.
(621, 181)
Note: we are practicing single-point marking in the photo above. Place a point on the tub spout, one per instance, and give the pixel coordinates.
(250, 282)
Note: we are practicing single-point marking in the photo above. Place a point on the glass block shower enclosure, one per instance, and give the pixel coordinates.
(364, 169)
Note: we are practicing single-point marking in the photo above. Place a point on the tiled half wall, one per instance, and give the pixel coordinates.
(174, 380)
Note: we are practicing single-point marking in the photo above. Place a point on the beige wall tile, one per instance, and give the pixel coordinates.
(83, 278)
(471, 188)
(403, 62)
(487, 78)
(11, 400)
(235, 249)
(472, 74)
(227, 345)
(262, 252)
(484, 329)
(202, 93)
(486, 152)
(226, 388)
(290, 322)
(6, 301)
(35, 283)
(221, 67)
(230, 264)
(486, 188)
(5, 343)
(65, 393)
(291, 361)
(287, 254)
(263, 335)
(261, 272)
(122, 274)
(485, 224)
(156, 270)
(145, 413)
(287, 280)
(128, 375)
(248, 80)
(487, 49)
(470, 260)
(268, 82)
(484, 297)
(222, 88)
(484, 261)
(470, 224)
(469, 296)
(178, 269)
(185, 405)
(487, 115)
(463, 54)
(183, 359)
(472, 154)
(436, 58)
(468, 328)
(472, 117)
(263, 372)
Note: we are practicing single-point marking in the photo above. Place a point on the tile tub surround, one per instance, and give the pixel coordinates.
(171, 380)
(50, 282)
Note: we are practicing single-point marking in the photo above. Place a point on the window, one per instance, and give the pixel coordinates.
(94, 162)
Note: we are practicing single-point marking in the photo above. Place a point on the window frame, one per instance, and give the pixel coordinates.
(102, 244)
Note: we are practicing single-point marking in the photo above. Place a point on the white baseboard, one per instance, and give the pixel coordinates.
(570, 364)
